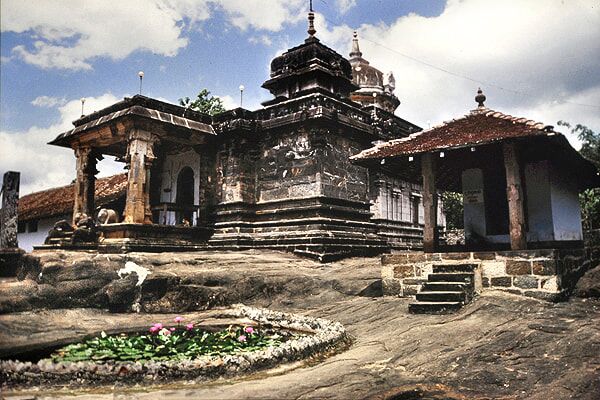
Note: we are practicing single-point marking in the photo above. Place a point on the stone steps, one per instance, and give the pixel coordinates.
(447, 289)
(424, 307)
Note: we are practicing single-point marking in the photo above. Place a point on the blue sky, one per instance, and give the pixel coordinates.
(532, 60)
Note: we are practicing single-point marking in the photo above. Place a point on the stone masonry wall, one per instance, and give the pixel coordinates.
(543, 274)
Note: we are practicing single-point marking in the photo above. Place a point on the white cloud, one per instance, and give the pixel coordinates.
(345, 5)
(262, 39)
(228, 102)
(41, 165)
(514, 44)
(68, 35)
(48, 101)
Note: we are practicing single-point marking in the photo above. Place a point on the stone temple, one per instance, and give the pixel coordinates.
(279, 177)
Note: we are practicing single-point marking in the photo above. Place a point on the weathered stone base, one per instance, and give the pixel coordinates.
(549, 274)
(400, 235)
(322, 228)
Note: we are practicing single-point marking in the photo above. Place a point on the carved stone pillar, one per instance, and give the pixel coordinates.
(514, 194)
(85, 182)
(140, 155)
(9, 210)
(429, 203)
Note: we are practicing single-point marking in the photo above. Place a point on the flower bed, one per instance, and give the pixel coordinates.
(315, 335)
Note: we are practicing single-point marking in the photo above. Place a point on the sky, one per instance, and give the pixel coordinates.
(538, 59)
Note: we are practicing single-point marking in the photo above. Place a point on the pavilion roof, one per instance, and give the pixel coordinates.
(59, 201)
(481, 126)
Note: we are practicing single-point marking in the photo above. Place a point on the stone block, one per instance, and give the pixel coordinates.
(416, 257)
(433, 256)
(409, 290)
(494, 268)
(391, 287)
(456, 256)
(502, 281)
(394, 259)
(542, 295)
(518, 267)
(413, 281)
(544, 267)
(484, 255)
(550, 284)
(404, 271)
(526, 282)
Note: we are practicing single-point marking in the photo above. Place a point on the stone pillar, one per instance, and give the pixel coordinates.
(514, 194)
(140, 156)
(429, 203)
(9, 212)
(85, 182)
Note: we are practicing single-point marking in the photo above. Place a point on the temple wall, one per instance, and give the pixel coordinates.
(289, 167)
(236, 171)
(341, 179)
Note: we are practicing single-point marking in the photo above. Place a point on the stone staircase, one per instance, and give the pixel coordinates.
(447, 289)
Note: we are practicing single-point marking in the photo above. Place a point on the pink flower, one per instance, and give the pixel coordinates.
(249, 330)
(178, 319)
(164, 332)
(242, 338)
(154, 329)
(189, 327)
(172, 329)
(158, 325)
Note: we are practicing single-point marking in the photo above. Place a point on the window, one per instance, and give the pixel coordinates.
(21, 227)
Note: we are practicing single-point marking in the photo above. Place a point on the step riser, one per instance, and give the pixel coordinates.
(468, 268)
(441, 297)
(416, 308)
(446, 287)
(452, 277)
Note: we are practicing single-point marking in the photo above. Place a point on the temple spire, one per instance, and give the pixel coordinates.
(355, 49)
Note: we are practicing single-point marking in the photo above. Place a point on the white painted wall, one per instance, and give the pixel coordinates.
(539, 202)
(29, 239)
(172, 165)
(472, 187)
(566, 211)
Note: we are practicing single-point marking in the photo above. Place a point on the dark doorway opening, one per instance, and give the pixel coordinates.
(185, 196)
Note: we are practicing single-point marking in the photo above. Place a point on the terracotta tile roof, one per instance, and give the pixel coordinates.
(481, 126)
(59, 201)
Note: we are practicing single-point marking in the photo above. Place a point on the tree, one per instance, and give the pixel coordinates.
(204, 103)
(590, 149)
(453, 208)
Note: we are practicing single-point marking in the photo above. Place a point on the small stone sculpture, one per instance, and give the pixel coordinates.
(85, 230)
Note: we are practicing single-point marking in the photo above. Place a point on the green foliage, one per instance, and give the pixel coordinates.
(177, 345)
(453, 208)
(590, 149)
(204, 103)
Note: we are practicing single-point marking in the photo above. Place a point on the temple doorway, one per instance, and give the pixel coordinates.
(185, 197)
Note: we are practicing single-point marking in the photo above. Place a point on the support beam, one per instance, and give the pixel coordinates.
(514, 194)
(85, 182)
(430, 241)
(140, 156)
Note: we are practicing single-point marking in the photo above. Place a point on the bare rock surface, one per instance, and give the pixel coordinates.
(589, 284)
(179, 282)
(501, 346)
